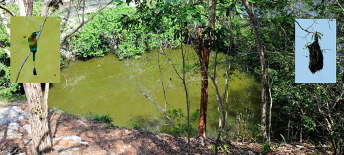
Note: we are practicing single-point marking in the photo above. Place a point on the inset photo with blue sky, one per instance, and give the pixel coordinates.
(315, 51)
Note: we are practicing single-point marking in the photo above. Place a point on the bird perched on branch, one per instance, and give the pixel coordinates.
(33, 48)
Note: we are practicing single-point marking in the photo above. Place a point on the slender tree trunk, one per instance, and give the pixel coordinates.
(264, 74)
(25, 7)
(38, 111)
(270, 115)
(22, 8)
(203, 53)
(37, 102)
(220, 97)
(288, 126)
(162, 82)
(186, 97)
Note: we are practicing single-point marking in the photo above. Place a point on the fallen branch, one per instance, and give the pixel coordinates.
(149, 97)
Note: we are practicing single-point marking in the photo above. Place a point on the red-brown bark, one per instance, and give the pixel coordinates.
(203, 53)
(204, 61)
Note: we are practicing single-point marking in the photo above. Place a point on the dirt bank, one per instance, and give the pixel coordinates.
(80, 135)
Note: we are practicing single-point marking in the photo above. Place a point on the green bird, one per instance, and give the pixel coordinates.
(33, 48)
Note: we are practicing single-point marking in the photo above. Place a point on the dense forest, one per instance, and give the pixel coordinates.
(225, 45)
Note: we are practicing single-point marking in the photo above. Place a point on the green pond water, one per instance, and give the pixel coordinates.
(115, 87)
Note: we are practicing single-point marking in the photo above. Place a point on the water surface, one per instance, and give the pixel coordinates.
(107, 85)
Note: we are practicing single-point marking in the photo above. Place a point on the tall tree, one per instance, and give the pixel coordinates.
(37, 99)
(203, 55)
(264, 73)
(203, 52)
(38, 103)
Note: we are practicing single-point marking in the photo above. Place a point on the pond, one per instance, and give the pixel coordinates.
(115, 87)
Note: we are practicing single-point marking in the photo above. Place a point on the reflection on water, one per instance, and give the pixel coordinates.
(109, 86)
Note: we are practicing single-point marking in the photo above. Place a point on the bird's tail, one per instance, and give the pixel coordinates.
(34, 72)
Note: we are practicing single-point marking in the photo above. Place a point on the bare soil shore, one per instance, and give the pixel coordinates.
(80, 135)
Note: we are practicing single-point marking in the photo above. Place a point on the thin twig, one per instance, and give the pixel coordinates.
(162, 80)
(306, 30)
(21, 67)
(172, 64)
(186, 97)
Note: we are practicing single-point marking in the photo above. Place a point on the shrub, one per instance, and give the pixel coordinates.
(121, 30)
(177, 124)
(8, 90)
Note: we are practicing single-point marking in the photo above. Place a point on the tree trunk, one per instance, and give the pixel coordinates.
(264, 74)
(21, 6)
(38, 111)
(270, 115)
(25, 7)
(212, 16)
(37, 102)
(203, 54)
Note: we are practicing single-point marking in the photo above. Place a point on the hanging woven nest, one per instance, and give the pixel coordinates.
(315, 55)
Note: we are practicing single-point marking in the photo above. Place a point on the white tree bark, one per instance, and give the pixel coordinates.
(38, 117)
(21, 5)
(264, 73)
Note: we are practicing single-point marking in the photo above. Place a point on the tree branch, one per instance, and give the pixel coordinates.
(21, 66)
(157, 105)
(340, 5)
(7, 10)
(302, 27)
(65, 38)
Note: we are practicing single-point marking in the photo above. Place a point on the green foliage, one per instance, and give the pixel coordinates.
(266, 148)
(224, 148)
(177, 124)
(37, 7)
(92, 40)
(103, 118)
(174, 123)
(8, 90)
(243, 116)
(3, 36)
(121, 30)
(146, 124)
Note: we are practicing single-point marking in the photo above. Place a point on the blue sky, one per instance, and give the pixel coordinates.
(327, 27)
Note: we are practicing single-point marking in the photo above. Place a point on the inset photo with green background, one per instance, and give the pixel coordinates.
(35, 49)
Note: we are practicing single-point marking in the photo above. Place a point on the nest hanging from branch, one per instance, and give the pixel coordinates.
(315, 55)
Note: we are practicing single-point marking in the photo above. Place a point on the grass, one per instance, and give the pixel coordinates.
(100, 118)
(13, 98)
